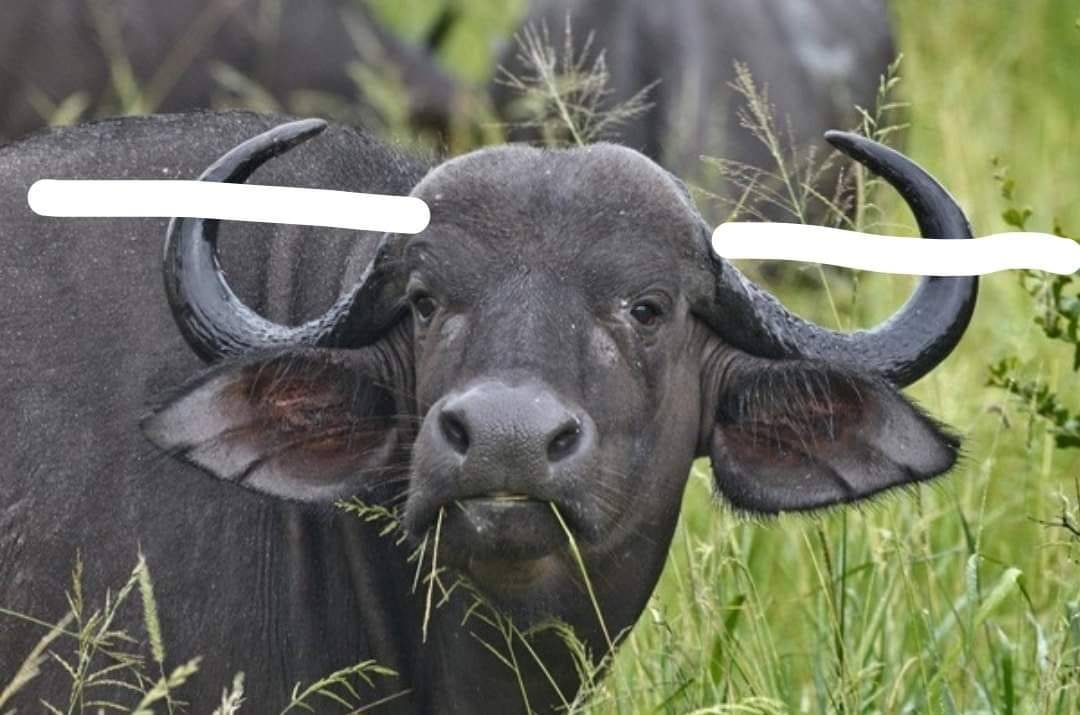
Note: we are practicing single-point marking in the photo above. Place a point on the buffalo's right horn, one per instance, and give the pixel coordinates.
(215, 322)
(902, 349)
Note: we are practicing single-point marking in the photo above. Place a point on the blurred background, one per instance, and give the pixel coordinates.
(963, 596)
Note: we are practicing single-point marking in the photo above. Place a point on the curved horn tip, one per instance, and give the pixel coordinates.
(297, 131)
(242, 160)
(844, 141)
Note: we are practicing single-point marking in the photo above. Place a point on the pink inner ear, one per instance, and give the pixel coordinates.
(797, 436)
(311, 426)
(785, 415)
(313, 422)
(297, 403)
(787, 440)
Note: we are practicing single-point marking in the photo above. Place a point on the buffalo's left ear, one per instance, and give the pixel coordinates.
(795, 435)
(309, 425)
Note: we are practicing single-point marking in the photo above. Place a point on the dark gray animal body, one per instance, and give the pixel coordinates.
(271, 589)
(817, 58)
(52, 49)
(543, 343)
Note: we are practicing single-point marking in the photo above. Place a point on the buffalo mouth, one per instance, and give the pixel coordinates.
(505, 542)
(500, 526)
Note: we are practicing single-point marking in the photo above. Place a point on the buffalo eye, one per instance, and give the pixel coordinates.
(646, 313)
(424, 305)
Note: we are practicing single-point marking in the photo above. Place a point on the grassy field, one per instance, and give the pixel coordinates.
(953, 598)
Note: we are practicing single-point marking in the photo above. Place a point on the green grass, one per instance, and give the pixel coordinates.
(954, 597)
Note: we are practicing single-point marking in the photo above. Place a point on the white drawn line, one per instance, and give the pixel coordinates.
(406, 214)
(228, 202)
(889, 254)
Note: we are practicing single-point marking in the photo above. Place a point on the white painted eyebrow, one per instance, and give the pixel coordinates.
(129, 198)
(410, 215)
(890, 254)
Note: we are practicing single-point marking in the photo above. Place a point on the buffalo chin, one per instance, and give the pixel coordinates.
(528, 592)
(513, 551)
(498, 529)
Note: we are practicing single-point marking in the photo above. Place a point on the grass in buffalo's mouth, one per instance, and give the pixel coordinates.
(433, 574)
(576, 552)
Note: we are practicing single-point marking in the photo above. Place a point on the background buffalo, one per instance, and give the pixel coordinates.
(62, 59)
(811, 64)
(671, 68)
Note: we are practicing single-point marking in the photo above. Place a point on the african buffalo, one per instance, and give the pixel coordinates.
(557, 346)
(52, 50)
(818, 59)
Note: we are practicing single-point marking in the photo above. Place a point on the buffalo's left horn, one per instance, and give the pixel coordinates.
(902, 349)
(214, 321)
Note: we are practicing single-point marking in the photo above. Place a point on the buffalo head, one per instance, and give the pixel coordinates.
(546, 360)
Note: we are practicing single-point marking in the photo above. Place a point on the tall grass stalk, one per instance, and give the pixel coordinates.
(580, 562)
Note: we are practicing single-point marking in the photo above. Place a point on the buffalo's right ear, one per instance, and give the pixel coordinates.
(309, 425)
(792, 435)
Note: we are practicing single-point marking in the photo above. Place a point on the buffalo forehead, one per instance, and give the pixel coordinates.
(601, 199)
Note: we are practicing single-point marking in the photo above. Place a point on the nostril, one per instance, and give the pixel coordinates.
(565, 442)
(454, 432)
